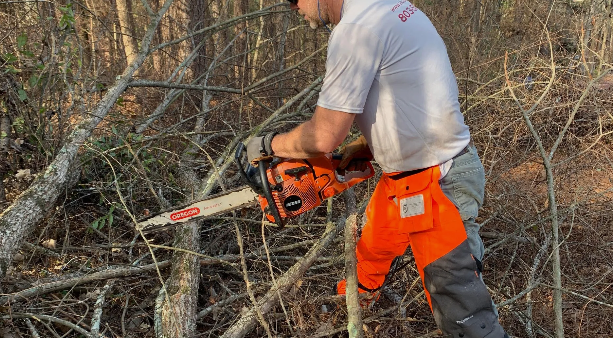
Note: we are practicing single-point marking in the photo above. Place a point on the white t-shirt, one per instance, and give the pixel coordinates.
(387, 64)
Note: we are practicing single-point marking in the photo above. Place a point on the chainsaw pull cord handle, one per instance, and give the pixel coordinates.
(263, 166)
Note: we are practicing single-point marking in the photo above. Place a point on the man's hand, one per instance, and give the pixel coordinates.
(357, 149)
(259, 148)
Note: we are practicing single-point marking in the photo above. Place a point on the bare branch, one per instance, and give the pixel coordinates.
(47, 318)
(354, 310)
(113, 272)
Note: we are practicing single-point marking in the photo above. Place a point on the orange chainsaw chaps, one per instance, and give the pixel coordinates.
(408, 211)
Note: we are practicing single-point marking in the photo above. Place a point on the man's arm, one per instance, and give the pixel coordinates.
(325, 131)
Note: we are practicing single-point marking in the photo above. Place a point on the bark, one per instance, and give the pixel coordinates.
(180, 12)
(179, 309)
(281, 54)
(126, 26)
(248, 320)
(7, 105)
(32, 205)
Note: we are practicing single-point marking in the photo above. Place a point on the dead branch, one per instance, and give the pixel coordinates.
(371, 318)
(223, 25)
(219, 304)
(117, 272)
(354, 310)
(32, 329)
(226, 159)
(272, 276)
(97, 316)
(47, 318)
(247, 321)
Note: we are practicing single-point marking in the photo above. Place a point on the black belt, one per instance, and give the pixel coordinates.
(417, 171)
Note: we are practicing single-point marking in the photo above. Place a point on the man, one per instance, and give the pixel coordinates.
(388, 69)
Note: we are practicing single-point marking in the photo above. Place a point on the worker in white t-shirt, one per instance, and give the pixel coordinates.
(388, 69)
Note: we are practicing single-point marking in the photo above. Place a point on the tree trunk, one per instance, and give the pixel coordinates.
(240, 8)
(124, 13)
(179, 309)
(198, 20)
(220, 39)
(22, 216)
(281, 54)
(258, 46)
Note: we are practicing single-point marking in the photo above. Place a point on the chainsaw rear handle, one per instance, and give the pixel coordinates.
(354, 177)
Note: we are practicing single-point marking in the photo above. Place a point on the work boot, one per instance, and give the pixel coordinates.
(366, 298)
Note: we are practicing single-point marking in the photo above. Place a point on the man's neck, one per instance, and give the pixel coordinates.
(335, 7)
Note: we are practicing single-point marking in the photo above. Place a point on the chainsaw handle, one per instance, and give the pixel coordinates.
(354, 177)
(263, 166)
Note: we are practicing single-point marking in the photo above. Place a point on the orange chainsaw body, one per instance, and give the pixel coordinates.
(301, 185)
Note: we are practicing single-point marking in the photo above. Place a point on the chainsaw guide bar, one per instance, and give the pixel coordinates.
(227, 201)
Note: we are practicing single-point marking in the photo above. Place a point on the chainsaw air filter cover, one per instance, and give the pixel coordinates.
(298, 186)
(293, 188)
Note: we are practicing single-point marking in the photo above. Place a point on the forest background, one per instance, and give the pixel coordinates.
(110, 111)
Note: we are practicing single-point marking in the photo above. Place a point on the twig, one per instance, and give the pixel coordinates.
(123, 316)
(274, 280)
(97, 316)
(571, 118)
(221, 26)
(369, 319)
(41, 250)
(580, 296)
(226, 159)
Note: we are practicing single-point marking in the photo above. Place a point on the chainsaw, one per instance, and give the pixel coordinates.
(284, 188)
